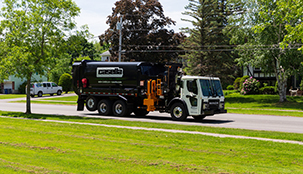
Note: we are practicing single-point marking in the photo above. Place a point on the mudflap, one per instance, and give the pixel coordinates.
(80, 106)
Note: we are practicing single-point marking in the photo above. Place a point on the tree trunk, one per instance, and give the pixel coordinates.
(28, 97)
(282, 86)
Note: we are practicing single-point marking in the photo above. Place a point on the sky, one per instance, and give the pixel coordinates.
(94, 13)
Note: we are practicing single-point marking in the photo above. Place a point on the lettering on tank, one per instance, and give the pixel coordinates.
(109, 72)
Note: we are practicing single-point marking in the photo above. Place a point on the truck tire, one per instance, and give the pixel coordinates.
(141, 112)
(40, 94)
(105, 107)
(178, 112)
(91, 103)
(120, 108)
(199, 118)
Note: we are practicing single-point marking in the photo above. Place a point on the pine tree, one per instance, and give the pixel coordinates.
(208, 53)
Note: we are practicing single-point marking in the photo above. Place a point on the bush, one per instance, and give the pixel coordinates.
(301, 85)
(237, 83)
(230, 87)
(250, 86)
(268, 90)
(242, 80)
(22, 87)
(66, 82)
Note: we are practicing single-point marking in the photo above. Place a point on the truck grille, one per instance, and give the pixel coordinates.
(213, 104)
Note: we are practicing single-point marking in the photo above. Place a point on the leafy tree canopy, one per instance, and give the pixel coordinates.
(143, 29)
(261, 31)
(32, 32)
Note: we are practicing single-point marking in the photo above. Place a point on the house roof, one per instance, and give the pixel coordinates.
(106, 53)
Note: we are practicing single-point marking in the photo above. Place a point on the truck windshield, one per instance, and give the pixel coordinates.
(211, 87)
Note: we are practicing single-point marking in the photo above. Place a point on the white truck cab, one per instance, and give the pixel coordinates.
(203, 96)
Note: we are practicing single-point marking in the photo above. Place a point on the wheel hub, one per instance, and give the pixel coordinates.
(90, 103)
(119, 108)
(103, 107)
(178, 112)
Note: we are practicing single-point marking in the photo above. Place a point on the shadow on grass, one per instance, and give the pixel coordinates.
(167, 118)
(96, 118)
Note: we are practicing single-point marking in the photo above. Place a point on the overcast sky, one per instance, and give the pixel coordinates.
(94, 13)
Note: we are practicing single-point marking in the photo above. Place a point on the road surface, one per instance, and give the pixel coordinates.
(242, 121)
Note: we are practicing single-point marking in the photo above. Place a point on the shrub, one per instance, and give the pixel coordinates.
(301, 85)
(268, 90)
(237, 83)
(66, 82)
(230, 87)
(250, 86)
(243, 80)
(22, 87)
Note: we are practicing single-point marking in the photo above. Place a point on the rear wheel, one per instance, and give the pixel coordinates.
(120, 108)
(91, 103)
(178, 112)
(105, 107)
(40, 94)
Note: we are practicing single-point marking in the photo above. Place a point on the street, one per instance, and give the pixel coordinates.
(229, 120)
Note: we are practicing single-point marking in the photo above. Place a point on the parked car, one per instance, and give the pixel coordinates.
(45, 88)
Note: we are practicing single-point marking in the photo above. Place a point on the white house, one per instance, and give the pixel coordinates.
(105, 56)
(12, 84)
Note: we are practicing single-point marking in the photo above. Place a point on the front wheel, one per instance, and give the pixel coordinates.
(120, 108)
(105, 107)
(178, 112)
(40, 94)
(59, 92)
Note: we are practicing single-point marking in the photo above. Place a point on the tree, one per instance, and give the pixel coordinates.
(66, 82)
(61, 65)
(264, 28)
(32, 30)
(207, 46)
(77, 45)
(143, 32)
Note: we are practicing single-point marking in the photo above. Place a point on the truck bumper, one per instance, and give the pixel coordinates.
(221, 111)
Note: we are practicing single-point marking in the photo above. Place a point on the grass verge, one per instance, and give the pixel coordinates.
(229, 131)
(263, 104)
(11, 96)
(28, 146)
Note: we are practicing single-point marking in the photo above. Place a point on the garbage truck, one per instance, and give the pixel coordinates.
(122, 88)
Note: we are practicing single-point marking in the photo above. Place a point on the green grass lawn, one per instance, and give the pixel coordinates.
(28, 146)
(229, 131)
(11, 96)
(263, 104)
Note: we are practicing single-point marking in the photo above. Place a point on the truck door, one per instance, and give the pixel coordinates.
(190, 95)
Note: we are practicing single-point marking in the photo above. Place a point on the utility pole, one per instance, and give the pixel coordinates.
(119, 27)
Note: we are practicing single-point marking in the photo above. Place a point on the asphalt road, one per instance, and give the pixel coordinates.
(242, 121)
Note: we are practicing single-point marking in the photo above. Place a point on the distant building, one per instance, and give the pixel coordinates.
(269, 78)
(11, 85)
(105, 57)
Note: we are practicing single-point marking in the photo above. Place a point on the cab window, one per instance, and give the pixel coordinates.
(54, 85)
(192, 86)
